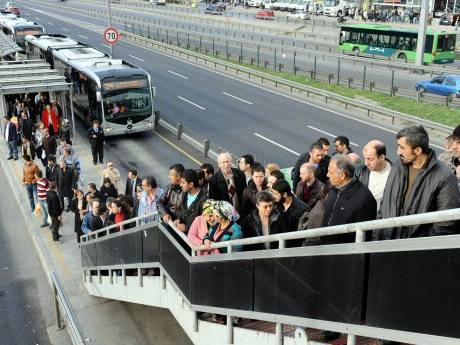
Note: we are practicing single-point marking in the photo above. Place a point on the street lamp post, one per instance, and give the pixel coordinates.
(422, 32)
(109, 14)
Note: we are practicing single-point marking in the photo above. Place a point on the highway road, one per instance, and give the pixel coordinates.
(234, 114)
(262, 49)
(26, 303)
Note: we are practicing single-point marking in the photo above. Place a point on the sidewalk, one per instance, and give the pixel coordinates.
(102, 321)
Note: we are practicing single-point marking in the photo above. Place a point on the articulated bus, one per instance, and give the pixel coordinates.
(384, 40)
(19, 28)
(113, 91)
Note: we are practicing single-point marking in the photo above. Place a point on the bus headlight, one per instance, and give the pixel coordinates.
(109, 129)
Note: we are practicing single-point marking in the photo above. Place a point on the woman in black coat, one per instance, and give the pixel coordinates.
(108, 190)
(79, 207)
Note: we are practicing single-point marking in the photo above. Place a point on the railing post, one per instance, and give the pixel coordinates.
(163, 281)
(279, 334)
(195, 321)
(351, 339)
(206, 147)
(56, 308)
(179, 131)
(123, 275)
(139, 275)
(282, 244)
(111, 276)
(229, 330)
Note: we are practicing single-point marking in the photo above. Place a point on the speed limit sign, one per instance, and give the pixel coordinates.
(111, 35)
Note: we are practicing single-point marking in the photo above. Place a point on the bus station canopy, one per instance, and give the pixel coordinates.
(8, 46)
(30, 76)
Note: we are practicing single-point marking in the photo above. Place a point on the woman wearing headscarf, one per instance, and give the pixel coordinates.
(201, 225)
(225, 229)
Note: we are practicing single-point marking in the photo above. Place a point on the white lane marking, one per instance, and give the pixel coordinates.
(135, 57)
(190, 102)
(83, 37)
(239, 99)
(273, 92)
(33, 9)
(50, 23)
(65, 29)
(105, 45)
(330, 134)
(277, 144)
(179, 75)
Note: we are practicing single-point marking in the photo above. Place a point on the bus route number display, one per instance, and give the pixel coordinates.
(111, 35)
(124, 84)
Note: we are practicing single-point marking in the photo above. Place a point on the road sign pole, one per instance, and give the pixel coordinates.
(109, 14)
(422, 33)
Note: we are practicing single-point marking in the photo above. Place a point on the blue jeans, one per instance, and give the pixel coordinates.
(32, 194)
(44, 205)
(13, 147)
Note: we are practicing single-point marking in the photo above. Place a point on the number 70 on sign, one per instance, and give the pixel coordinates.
(111, 36)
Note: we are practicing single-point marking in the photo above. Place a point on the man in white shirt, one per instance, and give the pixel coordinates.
(374, 173)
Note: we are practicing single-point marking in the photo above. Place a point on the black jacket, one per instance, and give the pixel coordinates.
(293, 213)
(435, 189)
(171, 201)
(249, 197)
(26, 127)
(218, 188)
(51, 172)
(129, 186)
(100, 136)
(54, 203)
(66, 181)
(108, 192)
(354, 203)
(187, 215)
(49, 145)
(321, 171)
(252, 227)
(74, 208)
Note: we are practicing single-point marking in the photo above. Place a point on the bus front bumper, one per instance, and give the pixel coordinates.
(128, 129)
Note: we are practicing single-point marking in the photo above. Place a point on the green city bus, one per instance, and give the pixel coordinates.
(384, 40)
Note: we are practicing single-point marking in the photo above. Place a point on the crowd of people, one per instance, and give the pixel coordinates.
(250, 200)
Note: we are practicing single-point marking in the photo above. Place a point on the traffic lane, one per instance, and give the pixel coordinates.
(207, 124)
(25, 296)
(380, 76)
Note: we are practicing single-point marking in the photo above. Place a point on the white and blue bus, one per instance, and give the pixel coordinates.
(113, 91)
(19, 28)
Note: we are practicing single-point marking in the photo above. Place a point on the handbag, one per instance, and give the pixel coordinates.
(38, 210)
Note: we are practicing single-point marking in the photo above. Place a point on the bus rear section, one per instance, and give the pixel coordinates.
(383, 40)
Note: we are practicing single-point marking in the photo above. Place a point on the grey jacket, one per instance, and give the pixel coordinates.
(435, 189)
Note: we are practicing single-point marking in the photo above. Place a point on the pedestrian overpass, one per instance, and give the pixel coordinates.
(400, 290)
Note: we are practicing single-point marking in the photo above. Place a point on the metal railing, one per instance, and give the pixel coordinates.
(60, 297)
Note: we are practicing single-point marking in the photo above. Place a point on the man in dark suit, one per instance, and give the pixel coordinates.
(96, 139)
(132, 182)
(54, 210)
(228, 183)
(11, 138)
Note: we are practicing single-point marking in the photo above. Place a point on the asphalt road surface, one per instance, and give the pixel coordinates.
(234, 114)
(26, 305)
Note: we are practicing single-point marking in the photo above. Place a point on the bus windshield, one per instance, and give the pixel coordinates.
(446, 43)
(330, 3)
(126, 99)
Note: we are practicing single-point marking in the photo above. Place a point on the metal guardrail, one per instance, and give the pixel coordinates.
(60, 297)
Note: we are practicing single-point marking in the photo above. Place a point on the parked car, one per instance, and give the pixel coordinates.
(158, 2)
(444, 85)
(11, 7)
(213, 9)
(298, 16)
(265, 14)
(268, 4)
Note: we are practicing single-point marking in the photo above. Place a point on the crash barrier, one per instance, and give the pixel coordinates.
(399, 290)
